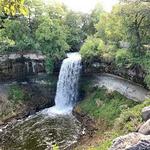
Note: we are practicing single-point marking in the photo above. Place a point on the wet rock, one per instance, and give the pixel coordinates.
(132, 141)
(124, 87)
(145, 128)
(135, 72)
(124, 44)
(16, 67)
(146, 113)
(37, 97)
(88, 123)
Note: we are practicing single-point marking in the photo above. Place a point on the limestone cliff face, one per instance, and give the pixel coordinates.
(16, 67)
(134, 72)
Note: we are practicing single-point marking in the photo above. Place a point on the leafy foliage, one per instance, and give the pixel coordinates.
(99, 103)
(52, 40)
(75, 36)
(109, 27)
(13, 7)
(16, 94)
(122, 57)
(135, 16)
(19, 32)
(92, 48)
(130, 119)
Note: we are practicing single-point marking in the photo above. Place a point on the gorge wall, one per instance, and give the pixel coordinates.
(134, 72)
(16, 67)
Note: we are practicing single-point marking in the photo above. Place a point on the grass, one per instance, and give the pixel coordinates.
(129, 120)
(102, 104)
(114, 114)
(16, 94)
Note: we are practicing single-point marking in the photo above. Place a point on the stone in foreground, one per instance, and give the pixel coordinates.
(145, 128)
(146, 113)
(132, 141)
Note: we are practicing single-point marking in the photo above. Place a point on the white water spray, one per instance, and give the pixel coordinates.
(67, 85)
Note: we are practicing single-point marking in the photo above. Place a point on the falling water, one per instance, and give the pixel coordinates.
(67, 86)
(42, 130)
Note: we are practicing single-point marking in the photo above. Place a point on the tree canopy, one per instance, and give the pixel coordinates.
(52, 29)
(12, 7)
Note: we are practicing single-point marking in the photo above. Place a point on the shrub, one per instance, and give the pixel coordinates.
(92, 48)
(108, 53)
(100, 102)
(122, 57)
(16, 94)
(147, 80)
(49, 64)
(130, 119)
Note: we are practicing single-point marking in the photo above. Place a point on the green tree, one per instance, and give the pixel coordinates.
(12, 7)
(110, 27)
(136, 20)
(73, 23)
(19, 32)
(92, 48)
(36, 9)
(95, 17)
(5, 43)
(51, 37)
(57, 11)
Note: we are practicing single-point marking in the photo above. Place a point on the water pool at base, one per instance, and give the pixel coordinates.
(40, 132)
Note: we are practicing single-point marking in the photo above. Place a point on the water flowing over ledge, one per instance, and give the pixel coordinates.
(67, 85)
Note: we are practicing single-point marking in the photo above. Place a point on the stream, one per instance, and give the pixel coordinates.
(40, 132)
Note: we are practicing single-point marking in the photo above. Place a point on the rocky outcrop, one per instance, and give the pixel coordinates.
(132, 141)
(16, 67)
(127, 88)
(146, 113)
(134, 72)
(145, 128)
(38, 97)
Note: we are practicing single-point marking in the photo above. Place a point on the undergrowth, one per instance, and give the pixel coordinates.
(16, 94)
(105, 105)
(121, 115)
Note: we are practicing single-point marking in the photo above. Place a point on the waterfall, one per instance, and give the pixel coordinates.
(67, 85)
(27, 65)
(33, 66)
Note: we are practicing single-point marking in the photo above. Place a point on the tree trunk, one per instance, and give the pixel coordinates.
(138, 40)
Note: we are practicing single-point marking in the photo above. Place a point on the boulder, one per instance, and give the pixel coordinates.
(132, 141)
(146, 113)
(145, 128)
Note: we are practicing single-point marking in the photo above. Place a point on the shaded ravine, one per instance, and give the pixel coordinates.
(125, 87)
(42, 131)
(55, 125)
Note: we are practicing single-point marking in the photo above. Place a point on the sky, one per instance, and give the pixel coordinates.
(86, 6)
